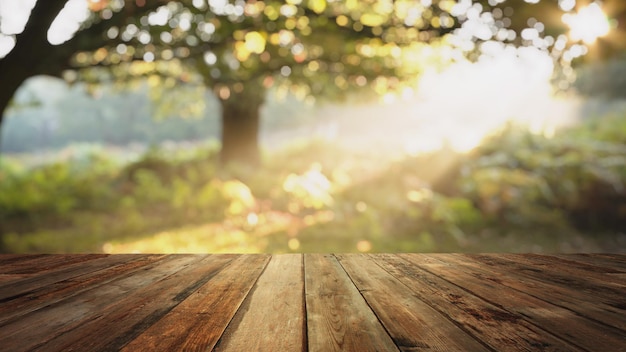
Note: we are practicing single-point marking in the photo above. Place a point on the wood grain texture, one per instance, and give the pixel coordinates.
(36, 292)
(607, 264)
(128, 316)
(496, 327)
(568, 291)
(199, 321)
(316, 302)
(338, 318)
(272, 317)
(570, 327)
(412, 324)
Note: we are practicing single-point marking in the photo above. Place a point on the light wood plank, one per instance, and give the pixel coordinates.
(338, 318)
(197, 323)
(272, 316)
(412, 324)
(558, 321)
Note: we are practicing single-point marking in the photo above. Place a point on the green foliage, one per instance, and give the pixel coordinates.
(531, 180)
(516, 192)
(50, 195)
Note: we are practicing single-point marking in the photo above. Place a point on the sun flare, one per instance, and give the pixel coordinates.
(588, 24)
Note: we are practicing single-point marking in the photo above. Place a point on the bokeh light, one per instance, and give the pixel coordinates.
(588, 24)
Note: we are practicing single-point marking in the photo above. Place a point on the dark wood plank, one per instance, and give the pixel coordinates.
(570, 291)
(272, 316)
(555, 320)
(38, 265)
(197, 323)
(338, 318)
(621, 258)
(69, 282)
(44, 278)
(570, 270)
(51, 327)
(412, 324)
(140, 309)
(8, 259)
(498, 328)
(610, 265)
(7, 278)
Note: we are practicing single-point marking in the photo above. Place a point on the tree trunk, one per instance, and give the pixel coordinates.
(240, 126)
(32, 54)
(7, 90)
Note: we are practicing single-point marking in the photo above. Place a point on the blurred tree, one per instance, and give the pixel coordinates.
(33, 54)
(240, 48)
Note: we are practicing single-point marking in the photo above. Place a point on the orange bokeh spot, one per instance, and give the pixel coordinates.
(97, 5)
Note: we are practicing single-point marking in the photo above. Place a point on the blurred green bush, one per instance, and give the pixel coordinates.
(318, 197)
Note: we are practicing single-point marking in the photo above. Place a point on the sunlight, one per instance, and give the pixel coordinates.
(463, 103)
(423, 145)
(229, 236)
(68, 21)
(464, 141)
(364, 246)
(62, 29)
(588, 24)
(311, 189)
(293, 244)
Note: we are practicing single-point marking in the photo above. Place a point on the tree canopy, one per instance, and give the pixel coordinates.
(313, 47)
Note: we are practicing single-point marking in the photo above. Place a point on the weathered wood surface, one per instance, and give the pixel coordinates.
(316, 302)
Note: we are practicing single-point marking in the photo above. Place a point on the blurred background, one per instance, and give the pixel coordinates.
(312, 126)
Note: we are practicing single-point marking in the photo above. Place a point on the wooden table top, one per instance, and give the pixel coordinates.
(315, 302)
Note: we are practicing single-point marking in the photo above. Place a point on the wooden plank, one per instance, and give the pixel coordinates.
(132, 314)
(39, 264)
(570, 270)
(272, 316)
(609, 264)
(43, 279)
(498, 328)
(613, 256)
(558, 321)
(412, 324)
(593, 265)
(568, 290)
(359, 302)
(197, 323)
(67, 319)
(70, 282)
(7, 259)
(10, 260)
(6, 278)
(338, 318)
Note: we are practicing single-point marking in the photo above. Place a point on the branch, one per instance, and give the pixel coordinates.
(32, 46)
